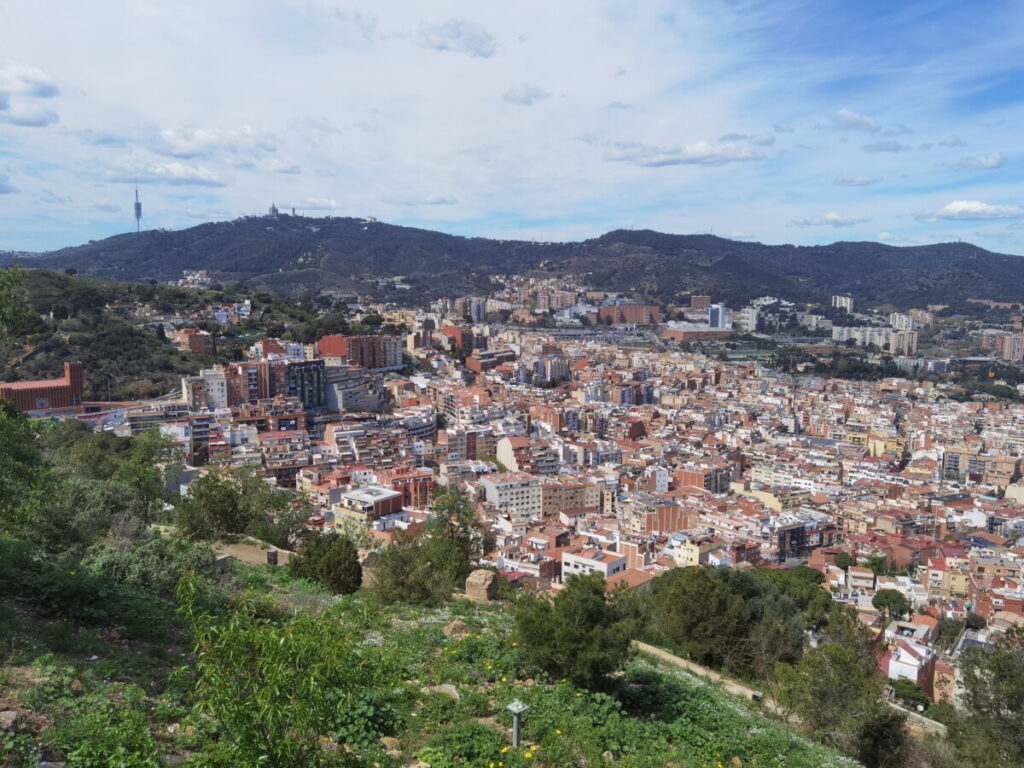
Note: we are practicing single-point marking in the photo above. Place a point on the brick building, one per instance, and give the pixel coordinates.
(48, 394)
(629, 314)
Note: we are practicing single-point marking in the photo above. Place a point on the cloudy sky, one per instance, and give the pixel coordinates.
(803, 121)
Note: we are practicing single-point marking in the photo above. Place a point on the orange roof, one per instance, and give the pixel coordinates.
(631, 577)
(62, 382)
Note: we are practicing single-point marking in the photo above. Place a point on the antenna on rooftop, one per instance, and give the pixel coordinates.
(138, 208)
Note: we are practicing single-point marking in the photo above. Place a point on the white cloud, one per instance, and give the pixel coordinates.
(525, 95)
(860, 180)
(988, 162)
(886, 236)
(101, 138)
(53, 198)
(6, 188)
(828, 220)
(898, 130)
(280, 165)
(21, 89)
(28, 114)
(317, 204)
(206, 142)
(700, 153)
(758, 139)
(430, 200)
(848, 120)
(885, 146)
(458, 36)
(105, 206)
(270, 165)
(174, 173)
(21, 80)
(975, 210)
(953, 141)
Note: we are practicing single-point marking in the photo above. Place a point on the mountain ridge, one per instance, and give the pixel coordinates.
(297, 255)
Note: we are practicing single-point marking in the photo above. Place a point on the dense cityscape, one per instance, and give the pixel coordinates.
(512, 385)
(588, 434)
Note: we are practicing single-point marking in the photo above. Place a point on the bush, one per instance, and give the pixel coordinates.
(582, 634)
(155, 563)
(331, 560)
(104, 737)
(225, 503)
(403, 574)
(468, 744)
(72, 592)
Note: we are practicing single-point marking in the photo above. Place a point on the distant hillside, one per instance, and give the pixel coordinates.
(297, 255)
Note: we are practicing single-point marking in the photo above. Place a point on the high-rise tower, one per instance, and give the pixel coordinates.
(138, 209)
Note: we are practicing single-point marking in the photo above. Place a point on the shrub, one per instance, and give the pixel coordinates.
(581, 634)
(105, 737)
(155, 563)
(330, 559)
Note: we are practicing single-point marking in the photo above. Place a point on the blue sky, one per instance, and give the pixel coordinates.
(790, 121)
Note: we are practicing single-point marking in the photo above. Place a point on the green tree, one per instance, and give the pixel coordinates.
(340, 570)
(24, 476)
(845, 629)
(991, 730)
(278, 694)
(152, 459)
(330, 559)
(404, 573)
(844, 561)
(894, 603)
(425, 568)
(457, 538)
(878, 564)
(837, 697)
(225, 503)
(911, 693)
(13, 310)
(697, 612)
(582, 634)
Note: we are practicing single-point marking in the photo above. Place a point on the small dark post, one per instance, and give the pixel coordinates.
(271, 557)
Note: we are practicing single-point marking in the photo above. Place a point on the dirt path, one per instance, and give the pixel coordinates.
(917, 725)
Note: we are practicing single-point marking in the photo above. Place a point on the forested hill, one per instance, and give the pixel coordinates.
(296, 254)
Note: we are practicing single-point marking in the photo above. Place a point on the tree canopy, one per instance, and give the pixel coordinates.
(583, 634)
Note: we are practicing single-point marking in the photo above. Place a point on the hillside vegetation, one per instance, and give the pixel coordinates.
(301, 255)
(67, 319)
(124, 647)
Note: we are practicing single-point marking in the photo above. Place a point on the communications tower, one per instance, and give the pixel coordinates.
(138, 209)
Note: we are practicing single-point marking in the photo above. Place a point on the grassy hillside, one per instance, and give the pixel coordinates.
(84, 685)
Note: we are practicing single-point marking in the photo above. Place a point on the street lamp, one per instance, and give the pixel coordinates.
(517, 708)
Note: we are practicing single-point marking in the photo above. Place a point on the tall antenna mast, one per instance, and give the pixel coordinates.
(138, 208)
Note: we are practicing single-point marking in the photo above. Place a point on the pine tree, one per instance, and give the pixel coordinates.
(339, 569)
